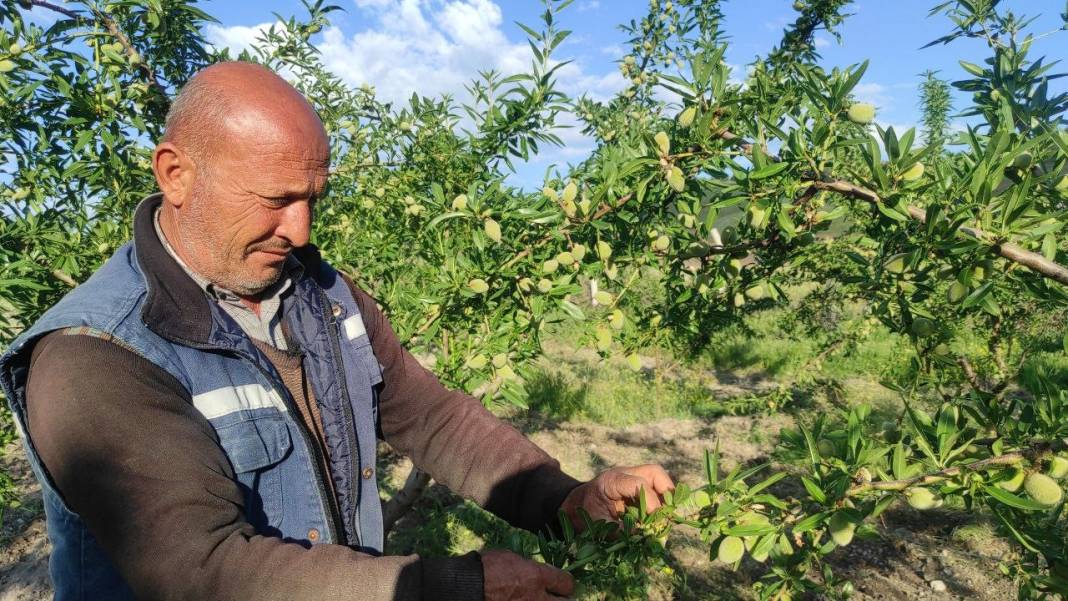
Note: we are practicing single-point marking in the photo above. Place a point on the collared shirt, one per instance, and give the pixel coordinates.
(267, 325)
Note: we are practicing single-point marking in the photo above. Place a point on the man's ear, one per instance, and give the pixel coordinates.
(174, 171)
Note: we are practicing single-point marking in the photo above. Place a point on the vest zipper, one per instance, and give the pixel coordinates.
(330, 509)
(329, 503)
(346, 409)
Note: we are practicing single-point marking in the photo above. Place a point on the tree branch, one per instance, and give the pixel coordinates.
(113, 28)
(1007, 250)
(399, 504)
(1031, 453)
(59, 9)
(1033, 261)
(519, 256)
(63, 277)
(970, 375)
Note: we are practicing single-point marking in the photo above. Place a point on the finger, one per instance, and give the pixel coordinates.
(656, 475)
(652, 500)
(630, 486)
(624, 485)
(557, 582)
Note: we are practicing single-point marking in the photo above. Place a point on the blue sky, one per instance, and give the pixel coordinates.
(435, 46)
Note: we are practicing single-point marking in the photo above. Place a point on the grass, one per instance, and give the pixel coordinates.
(611, 394)
(748, 367)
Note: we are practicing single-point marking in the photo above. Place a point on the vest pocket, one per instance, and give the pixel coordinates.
(256, 448)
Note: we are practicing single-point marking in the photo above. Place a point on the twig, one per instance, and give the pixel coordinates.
(970, 375)
(59, 9)
(1031, 453)
(400, 503)
(113, 29)
(1007, 250)
(519, 256)
(63, 277)
(995, 348)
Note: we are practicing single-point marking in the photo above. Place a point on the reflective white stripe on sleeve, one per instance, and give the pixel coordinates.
(221, 401)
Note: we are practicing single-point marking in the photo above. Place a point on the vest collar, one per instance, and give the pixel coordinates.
(175, 306)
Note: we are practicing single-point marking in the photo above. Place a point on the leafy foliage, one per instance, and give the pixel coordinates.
(689, 214)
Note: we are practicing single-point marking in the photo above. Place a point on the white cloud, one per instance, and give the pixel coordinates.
(821, 42)
(409, 46)
(427, 47)
(899, 127)
(777, 24)
(436, 47)
(236, 38)
(577, 145)
(589, 5)
(874, 93)
(573, 81)
(430, 49)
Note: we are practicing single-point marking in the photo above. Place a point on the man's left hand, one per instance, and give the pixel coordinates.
(606, 496)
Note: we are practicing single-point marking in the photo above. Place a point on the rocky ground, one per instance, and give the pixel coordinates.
(931, 555)
(24, 546)
(920, 555)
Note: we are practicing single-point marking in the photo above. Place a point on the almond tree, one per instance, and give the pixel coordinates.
(726, 197)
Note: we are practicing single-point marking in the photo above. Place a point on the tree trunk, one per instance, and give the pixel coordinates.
(400, 503)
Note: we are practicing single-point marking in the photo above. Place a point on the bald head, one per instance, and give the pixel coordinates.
(233, 101)
(241, 164)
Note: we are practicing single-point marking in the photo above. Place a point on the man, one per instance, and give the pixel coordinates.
(202, 413)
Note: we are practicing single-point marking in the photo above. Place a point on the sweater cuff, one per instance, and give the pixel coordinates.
(555, 486)
(454, 578)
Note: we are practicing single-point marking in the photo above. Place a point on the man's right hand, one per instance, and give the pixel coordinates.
(509, 577)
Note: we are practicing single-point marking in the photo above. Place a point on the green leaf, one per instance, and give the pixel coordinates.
(750, 530)
(977, 295)
(881, 505)
(811, 522)
(899, 465)
(445, 217)
(810, 444)
(814, 491)
(767, 482)
(572, 310)
(1012, 500)
(785, 224)
(764, 545)
(972, 68)
(1023, 540)
(854, 79)
(769, 171)
(712, 466)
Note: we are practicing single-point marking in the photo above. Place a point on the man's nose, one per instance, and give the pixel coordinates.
(294, 223)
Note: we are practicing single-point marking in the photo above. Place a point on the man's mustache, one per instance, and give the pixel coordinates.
(277, 247)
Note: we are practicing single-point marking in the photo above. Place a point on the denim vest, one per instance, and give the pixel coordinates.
(237, 390)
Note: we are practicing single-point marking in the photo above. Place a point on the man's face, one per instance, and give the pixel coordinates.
(253, 205)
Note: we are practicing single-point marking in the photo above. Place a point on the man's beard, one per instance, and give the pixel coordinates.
(197, 236)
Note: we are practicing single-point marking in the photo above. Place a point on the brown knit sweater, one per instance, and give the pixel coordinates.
(129, 453)
(290, 366)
